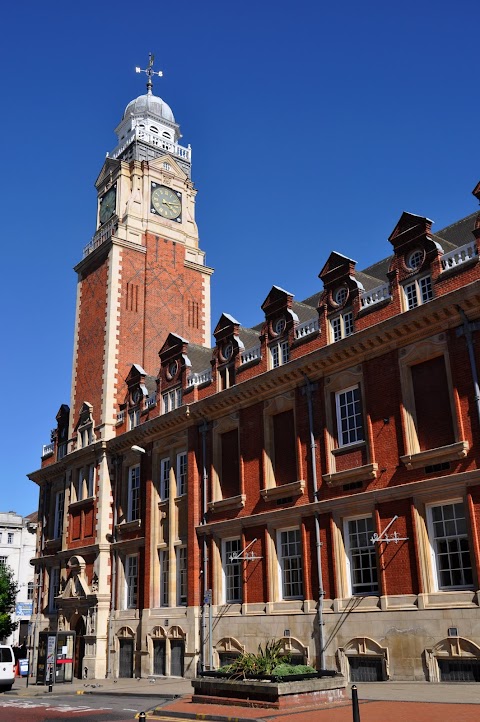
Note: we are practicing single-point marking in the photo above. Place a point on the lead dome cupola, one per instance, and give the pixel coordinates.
(149, 104)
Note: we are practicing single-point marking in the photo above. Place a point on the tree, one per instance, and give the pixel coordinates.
(8, 594)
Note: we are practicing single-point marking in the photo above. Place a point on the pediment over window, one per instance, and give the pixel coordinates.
(63, 415)
(174, 169)
(226, 326)
(476, 191)
(414, 246)
(85, 416)
(76, 586)
(136, 385)
(337, 268)
(109, 168)
(173, 358)
(277, 300)
(63, 421)
(339, 282)
(174, 344)
(228, 340)
(230, 644)
(279, 314)
(409, 226)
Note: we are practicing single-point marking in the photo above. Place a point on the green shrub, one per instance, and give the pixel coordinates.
(263, 662)
(284, 669)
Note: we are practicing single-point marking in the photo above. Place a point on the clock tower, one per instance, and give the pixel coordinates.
(143, 274)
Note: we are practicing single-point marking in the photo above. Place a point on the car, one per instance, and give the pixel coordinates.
(7, 668)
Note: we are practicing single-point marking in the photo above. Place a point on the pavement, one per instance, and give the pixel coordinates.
(168, 699)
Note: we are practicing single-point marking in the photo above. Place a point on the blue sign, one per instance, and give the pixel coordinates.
(24, 609)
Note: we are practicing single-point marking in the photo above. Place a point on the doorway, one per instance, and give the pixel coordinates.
(177, 654)
(159, 657)
(126, 658)
(79, 649)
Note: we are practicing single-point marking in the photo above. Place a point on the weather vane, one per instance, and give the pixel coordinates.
(150, 72)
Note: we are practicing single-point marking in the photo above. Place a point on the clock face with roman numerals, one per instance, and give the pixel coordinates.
(107, 205)
(166, 202)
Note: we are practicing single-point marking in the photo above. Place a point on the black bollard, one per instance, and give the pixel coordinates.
(355, 709)
(142, 717)
(50, 687)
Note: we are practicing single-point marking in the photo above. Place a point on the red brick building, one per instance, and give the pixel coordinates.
(313, 479)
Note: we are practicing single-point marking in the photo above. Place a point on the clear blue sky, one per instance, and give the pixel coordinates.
(313, 126)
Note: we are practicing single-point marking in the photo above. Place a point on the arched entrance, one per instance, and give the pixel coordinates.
(126, 637)
(79, 648)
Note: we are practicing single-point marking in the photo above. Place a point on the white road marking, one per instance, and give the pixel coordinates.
(31, 704)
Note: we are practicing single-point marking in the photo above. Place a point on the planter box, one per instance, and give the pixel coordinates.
(315, 691)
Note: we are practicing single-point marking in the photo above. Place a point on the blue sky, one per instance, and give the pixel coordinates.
(313, 126)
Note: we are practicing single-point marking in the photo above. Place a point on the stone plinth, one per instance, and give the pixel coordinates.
(262, 693)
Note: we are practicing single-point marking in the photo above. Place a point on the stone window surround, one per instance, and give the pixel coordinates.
(166, 509)
(428, 580)
(128, 597)
(417, 282)
(431, 536)
(270, 490)
(163, 449)
(346, 319)
(334, 384)
(409, 356)
(281, 590)
(226, 561)
(278, 352)
(348, 563)
(340, 552)
(217, 502)
(362, 647)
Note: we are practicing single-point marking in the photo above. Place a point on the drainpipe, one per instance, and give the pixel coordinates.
(203, 428)
(308, 390)
(466, 329)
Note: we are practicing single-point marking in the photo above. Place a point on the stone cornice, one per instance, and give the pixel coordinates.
(362, 500)
(85, 455)
(436, 316)
(207, 270)
(102, 250)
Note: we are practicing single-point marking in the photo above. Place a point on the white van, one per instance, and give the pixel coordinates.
(7, 668)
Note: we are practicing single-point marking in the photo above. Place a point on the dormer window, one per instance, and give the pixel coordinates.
(341, 325)
(279, 353)
(279, 326)
(418, 292)
(279, 350)
(133, 418)
(172, 370)
(85, 435)
(414, 260)
(226, 370)
(226, 377)
(227, 351)
(340, 295)
(172, 399)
